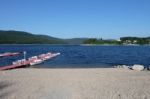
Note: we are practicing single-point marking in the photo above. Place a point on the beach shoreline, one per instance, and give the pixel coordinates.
(76, 83)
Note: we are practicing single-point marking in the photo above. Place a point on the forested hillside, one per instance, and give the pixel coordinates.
(20, 37)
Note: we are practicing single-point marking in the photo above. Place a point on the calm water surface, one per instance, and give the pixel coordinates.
(76, 56)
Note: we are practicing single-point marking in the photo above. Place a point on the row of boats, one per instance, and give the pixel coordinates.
(34, 60)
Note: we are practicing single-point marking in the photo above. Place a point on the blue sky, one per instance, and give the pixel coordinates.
(77, 18)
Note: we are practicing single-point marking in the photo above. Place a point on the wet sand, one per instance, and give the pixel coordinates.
(92, 83)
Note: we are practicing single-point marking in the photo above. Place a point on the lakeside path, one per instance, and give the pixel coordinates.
(93, 83)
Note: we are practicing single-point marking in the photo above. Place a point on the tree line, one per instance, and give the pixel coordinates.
(123, 40)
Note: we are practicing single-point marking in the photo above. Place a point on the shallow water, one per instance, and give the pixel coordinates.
(76, 56)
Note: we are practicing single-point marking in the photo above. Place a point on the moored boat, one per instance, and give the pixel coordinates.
(34, 60)
(9, 54)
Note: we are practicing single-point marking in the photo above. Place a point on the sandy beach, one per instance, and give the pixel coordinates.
(94, 83)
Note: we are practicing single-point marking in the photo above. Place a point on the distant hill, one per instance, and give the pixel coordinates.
(20, 37)
(76, 40)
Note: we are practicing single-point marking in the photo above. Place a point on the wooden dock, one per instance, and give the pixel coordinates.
(15, 66)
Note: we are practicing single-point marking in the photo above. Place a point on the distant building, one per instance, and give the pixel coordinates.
(135, 42)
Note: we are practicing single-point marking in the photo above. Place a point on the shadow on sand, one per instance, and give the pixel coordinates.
(4, 92)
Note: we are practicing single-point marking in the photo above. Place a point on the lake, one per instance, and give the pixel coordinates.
(80, 56)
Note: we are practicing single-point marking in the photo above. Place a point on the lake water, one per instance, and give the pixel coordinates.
(76, 56)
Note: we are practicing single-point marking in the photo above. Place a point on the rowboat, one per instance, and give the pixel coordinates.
(34, 60)
(7, 54)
